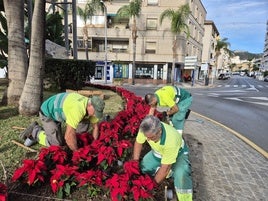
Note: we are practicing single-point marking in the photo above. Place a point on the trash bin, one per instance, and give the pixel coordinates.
(206, 81)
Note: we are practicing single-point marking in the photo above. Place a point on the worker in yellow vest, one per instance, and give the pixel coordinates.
(77, 111)
(168, 156)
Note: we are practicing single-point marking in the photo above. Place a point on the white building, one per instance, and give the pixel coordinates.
(264, 65)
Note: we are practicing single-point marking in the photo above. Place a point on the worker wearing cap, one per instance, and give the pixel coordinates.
(77, 111)
(168, 157)
(178, 100)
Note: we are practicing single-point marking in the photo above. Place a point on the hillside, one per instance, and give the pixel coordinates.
(246, 55)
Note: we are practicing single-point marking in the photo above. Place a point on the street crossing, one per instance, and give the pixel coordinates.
(241, 86)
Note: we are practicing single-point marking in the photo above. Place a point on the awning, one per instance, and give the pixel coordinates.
(111, 14)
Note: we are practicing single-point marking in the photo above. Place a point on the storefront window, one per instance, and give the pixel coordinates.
(144, 72)
(120, 70)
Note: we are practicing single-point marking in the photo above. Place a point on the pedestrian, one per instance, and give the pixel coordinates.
(178, 100)
(168, 156)
(77, 111)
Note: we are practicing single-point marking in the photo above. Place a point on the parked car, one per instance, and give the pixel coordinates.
(223, 76)
(265, 78)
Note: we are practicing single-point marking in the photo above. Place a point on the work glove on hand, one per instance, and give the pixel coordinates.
(165, 117)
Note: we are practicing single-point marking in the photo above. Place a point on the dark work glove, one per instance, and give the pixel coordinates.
(187, 113)
(165, 117)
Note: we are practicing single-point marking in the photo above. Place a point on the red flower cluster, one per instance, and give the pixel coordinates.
(88, 165)
(61, 175)
(3, 192)
(131, 183)
(31, 171)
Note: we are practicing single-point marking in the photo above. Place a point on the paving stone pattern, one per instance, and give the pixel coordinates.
(224, 168)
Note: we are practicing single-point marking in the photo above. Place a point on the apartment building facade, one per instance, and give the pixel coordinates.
(154, 54)
(264, 65)
(208, 67)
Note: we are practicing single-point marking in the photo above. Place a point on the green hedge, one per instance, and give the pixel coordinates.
(68, 73)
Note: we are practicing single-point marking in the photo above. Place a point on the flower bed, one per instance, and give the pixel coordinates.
(96, 165)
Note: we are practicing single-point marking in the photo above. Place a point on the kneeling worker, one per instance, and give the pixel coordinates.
(178, 100)
(168, 157)
(77, 111)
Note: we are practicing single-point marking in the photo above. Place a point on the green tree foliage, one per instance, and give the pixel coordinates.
(178, 26)
(86, 14)
(54, 28)
(133, 10)
(71, 74)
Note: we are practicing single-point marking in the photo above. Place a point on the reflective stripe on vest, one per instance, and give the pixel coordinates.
(58, 103)
(177, 94)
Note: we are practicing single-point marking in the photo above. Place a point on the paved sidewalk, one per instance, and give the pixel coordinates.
(224, 167)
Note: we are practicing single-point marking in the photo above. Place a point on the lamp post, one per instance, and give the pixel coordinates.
(105, 41)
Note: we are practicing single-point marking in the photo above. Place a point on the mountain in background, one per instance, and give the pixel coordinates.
(244, 55)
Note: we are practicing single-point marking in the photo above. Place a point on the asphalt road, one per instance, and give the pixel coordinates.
(240, 103)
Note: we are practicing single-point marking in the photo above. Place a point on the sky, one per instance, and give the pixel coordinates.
(243, 22)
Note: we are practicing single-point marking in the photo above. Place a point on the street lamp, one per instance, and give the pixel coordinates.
(105, 41)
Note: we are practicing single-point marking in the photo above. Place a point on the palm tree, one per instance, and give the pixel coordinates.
(17, 56)
(178, 25)
(30, 99)
(222, 44)
(86, 14)
(133, 10)
(54, 28)
(3, 41)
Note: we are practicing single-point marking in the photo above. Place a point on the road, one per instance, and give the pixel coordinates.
(240, 103)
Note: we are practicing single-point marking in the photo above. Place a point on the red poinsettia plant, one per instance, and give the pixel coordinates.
(3, 192)
(31, 172)
(130, 184)
(62, 179)
(53, 155)
(89, 165)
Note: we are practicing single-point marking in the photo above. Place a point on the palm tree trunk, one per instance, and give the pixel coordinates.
(86, 40)
(31, 96)
(174, 47)
(17, 55)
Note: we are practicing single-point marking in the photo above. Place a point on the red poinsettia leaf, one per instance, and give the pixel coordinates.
(132, 167)
(3, 188)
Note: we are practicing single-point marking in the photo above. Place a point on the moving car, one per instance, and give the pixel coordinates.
(265, 78)
(223, 76)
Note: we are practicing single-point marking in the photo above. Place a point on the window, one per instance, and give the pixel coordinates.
(144, 72)
(82, 1)
(151, 24)
(150, 47)
(81, 43)
(152, 2)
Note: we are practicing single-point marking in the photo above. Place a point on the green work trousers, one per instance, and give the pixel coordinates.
(178, 119)
(181, 172)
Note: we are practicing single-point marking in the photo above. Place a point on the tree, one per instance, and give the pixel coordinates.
(222, 44)
(232, 66)
(17, 56)
(3, 41)
(54, 28)
(86, 14)
(132, 11)
(30, 100)
(178, 25)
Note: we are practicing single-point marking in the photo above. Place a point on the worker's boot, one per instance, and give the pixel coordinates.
(28, 131)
